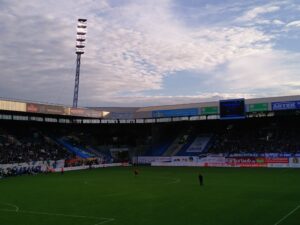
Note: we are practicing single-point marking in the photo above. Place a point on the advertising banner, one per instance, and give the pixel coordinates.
(56, 110)
(276, 160)
(176, 112)
(214, 110)
(46, 109)
(120, 115)
(215, 164)
(93, 113)
(294, 162)
(93, 166)
(219, 161)
(76, 112)
(12, 106)
(289, 105)
(150, 159)
(32, 108)
(246, 162)
(60, 110)
(85, 112)
(42, 164)
(259, 107)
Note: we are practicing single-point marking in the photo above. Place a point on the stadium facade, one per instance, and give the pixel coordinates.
(18, 110)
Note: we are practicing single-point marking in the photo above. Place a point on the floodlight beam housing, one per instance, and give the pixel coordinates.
(81, 35)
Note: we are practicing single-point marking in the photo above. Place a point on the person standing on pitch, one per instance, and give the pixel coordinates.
(200, 177)
(136, 172)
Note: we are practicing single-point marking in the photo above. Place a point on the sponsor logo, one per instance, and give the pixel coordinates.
(32, 108)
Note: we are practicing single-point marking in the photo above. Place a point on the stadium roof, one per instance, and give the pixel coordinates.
(203, 108)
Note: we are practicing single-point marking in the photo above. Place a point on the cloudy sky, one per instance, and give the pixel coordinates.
(150, 52)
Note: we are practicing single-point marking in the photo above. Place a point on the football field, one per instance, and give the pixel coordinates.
(157, 196)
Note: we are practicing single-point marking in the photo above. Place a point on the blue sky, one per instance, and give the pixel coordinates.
(153, 52)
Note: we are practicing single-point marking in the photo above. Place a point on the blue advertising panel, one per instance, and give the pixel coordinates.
(232, 109)
(176, 112)
(290, 105)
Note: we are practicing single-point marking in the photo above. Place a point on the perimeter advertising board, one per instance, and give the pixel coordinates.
(150, 159)
(246, 162)
(294, 162)
(219, 161)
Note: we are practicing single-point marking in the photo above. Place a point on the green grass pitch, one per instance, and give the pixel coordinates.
(157, 196)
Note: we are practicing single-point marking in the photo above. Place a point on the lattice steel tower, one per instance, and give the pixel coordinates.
(80, 45)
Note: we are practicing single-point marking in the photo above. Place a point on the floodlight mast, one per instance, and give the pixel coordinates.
(80, 45)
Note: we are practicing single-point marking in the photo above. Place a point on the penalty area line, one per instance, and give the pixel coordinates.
(287, 215)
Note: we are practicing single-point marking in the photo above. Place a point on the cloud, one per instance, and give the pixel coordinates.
(271, 73)
(295, 23)
(278, 22)
(252, 14)
(131, 48)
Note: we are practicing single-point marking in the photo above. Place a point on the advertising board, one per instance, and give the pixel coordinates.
(120, 115)
(176, 112)
(214, 110)
(294, 162)
(52, 109)
(85, 112)
(46, 109)
(289, 105)
(12, 106)
(259, 107)
(220, 161)
(150, 159)
(32, 108)
(246, 162)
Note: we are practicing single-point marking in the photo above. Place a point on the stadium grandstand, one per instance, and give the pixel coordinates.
(181, 143)
(32, 132)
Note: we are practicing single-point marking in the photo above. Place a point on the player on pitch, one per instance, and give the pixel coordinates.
(200, 177)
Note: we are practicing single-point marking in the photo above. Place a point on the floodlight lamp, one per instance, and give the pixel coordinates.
(81, 30)
(80, 43)
(79, 50)
(81, 36)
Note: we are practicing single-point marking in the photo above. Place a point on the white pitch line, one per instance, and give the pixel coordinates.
(106, 221)
(11, 205)
(175, 181)
(17, 210)
(287, 215)
(61, 214)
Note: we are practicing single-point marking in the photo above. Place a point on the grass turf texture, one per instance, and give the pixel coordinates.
(157, 196)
